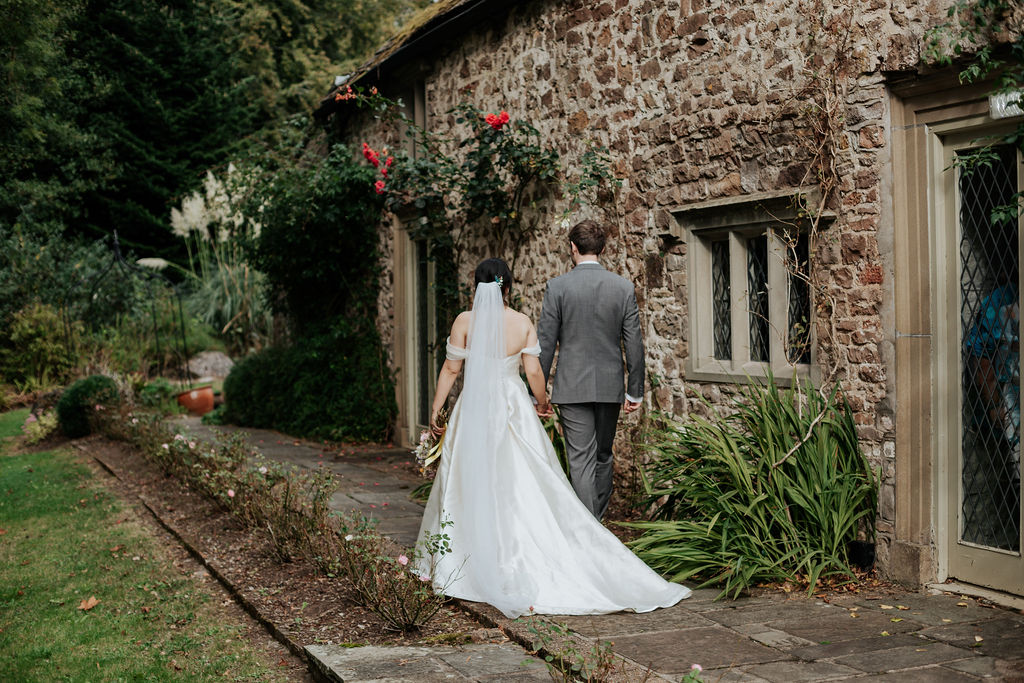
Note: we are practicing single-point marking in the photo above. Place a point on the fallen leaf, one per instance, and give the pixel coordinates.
(895, 619)
(88, 604)
(885, 633)
(947, 621)
(961, 604)
(902, 607)
(3, 531)
(145, 609)
(978, 639)
(854, 615)
(886, 606)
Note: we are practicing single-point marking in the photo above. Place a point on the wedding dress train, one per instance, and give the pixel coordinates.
(519, 537)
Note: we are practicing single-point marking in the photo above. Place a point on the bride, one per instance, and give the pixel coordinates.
(518, 536)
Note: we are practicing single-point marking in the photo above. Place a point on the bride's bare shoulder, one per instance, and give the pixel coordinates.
(461, 322)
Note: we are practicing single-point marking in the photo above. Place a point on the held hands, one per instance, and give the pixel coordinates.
(629, 406)
(544, 410)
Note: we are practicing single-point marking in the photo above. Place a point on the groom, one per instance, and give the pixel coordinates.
(591, 315)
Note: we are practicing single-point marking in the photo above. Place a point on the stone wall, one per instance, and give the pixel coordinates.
(697, 100)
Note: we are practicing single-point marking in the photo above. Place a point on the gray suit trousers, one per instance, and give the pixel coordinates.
(589, 433)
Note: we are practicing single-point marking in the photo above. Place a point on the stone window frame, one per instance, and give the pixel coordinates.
(739, 218)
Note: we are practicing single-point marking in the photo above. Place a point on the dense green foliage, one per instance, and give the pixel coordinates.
(35, 349)
(318, 251)
(81, 400)
(113, 108)
(986, 40)
(67, 304)
(318, 243)
(774, 492)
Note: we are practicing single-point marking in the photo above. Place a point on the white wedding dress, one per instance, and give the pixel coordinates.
(519, 537)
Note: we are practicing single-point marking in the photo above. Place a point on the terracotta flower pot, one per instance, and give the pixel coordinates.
(198, 401)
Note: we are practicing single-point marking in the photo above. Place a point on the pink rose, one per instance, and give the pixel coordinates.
(403, 560)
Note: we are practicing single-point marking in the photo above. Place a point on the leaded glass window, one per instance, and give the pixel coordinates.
(798, 339)
(757, 297)
(721, 296)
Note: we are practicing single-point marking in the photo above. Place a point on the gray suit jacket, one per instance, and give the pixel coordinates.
(591, 315)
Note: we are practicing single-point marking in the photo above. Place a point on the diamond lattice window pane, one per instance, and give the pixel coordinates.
(757, 296)
(721, 313)
(798, 339)
(990, 361)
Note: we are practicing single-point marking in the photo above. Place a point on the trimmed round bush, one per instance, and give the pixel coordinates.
(79, 401)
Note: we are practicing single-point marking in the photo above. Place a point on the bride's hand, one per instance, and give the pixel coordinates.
(544, 410)
(435, 429)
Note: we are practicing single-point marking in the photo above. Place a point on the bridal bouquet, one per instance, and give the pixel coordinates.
(429, 448)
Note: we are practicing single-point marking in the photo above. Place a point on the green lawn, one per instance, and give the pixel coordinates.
(63, 540)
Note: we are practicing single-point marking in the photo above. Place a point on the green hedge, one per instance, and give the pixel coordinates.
(332, 385)
(81, 399)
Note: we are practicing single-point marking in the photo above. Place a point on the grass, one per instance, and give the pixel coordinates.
(64, 540)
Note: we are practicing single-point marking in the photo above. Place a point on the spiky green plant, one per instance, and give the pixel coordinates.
(773, 492)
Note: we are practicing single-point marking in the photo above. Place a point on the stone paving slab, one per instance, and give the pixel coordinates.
(873, 645)
(482, 662)
(932, 610)
(730, 675)
(928, 674)
(839, 625)
(797, 672)
(674, 652)
(1002, 637)
(753, 613)
(907, 657)
(614, 626)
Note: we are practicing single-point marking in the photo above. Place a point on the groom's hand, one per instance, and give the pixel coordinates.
(629, 406)
(544, 410)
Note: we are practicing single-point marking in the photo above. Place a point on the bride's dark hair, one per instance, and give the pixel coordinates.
(494, 270)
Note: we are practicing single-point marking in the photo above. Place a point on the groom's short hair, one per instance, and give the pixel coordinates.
(589, 237)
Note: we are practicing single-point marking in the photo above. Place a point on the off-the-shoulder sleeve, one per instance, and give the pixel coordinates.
(532, 350)
(454, 352)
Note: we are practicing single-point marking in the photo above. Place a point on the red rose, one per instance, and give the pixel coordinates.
(496, 121)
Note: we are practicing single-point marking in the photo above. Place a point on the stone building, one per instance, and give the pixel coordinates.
(722, 119)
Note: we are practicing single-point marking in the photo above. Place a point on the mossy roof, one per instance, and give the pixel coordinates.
(434, 25)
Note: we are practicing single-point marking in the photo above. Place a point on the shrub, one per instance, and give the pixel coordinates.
(38, 427)
(82, 400)
(156, 392)
(382, 575)
(331, 385)
(774, 492)
(36, 352)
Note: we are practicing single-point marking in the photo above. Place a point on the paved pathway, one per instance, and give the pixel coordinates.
(908, 636)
